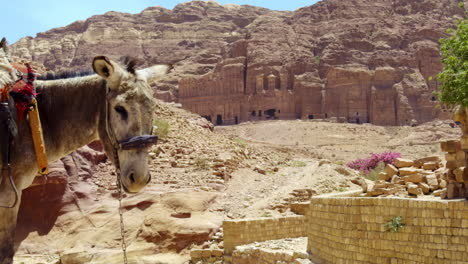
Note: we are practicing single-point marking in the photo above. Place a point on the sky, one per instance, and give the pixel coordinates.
(21, 18)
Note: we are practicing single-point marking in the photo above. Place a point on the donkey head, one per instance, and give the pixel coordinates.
(130, 107)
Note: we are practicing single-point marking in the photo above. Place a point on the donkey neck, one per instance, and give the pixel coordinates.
(70, 111)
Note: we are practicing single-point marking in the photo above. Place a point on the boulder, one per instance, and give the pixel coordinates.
(414, 189)
(403, 163)
(424, 187)
(431, 180)
(415, 178)
(419, 162)
(390, 170)
(432, 166)
(383, 176)
(408, 171)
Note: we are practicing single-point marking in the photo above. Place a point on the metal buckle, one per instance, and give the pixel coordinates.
(138, 142)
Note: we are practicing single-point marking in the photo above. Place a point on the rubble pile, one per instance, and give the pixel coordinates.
(410, 178)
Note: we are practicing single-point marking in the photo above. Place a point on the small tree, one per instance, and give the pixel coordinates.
(454, 76)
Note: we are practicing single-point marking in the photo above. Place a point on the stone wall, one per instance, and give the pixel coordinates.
(241, 232)
(352, 230)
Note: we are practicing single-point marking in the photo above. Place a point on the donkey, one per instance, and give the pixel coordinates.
(112, 105)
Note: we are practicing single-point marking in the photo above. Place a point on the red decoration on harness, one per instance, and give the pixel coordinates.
(23, 92)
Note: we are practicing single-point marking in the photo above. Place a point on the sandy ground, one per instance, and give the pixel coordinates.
(345, 142)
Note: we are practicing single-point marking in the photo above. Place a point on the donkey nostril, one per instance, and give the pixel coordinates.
(132, 178)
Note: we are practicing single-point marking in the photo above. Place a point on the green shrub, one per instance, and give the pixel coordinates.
(395, 224)
(298, 163)
(454, 76)
(202, 163)
(240, 142)
(162, 128)
(373, 174)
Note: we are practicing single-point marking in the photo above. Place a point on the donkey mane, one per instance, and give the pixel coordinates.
(64, 75)
(128, 62)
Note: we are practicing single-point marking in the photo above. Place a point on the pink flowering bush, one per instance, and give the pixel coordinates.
(366, 165)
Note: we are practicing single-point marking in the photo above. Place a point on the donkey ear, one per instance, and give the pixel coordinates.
(4, 45)
(154, 72)
(103, 66)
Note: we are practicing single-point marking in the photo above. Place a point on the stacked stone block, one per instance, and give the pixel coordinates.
(252, 255)
(410, 178)
(205, 256)
(352, 230)
(457, 165)
(241, 232)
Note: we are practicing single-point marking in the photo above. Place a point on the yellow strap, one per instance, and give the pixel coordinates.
(38, 139)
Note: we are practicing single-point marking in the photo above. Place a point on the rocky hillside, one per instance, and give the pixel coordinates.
(361, 60)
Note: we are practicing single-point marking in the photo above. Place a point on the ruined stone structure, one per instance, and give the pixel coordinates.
(233, 93)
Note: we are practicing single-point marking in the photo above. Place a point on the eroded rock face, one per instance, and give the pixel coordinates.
(49, 196)
(365, 61)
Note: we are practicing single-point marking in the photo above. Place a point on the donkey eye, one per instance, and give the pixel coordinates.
(122, 112)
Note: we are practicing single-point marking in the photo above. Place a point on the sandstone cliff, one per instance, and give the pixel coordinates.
(361, 60)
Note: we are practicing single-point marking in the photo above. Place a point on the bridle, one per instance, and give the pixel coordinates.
(137, 142)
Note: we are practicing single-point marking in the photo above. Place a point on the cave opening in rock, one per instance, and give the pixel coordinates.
(270, 113)
(219, 120)
(311, 116)
(254, 113)
(433, 98)
(236, 119)
(207, 118)
(326, 115)
(259, 112)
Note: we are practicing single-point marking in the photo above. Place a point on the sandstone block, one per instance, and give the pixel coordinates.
(415, 178)
(432, 166)
(438, 192)
(403, 163)
(443, 194)
(450, 156)
(376, 192)
(461, 174)
(464, 143)
(450, 146)
(206, 253)
(424, 187)
(453, 164)
(460, 155)
(217, 252)
(432, 181)
(452, 190)
(390, 170)
(196, 253)
(443, 183)
(383, 176)
(414, 189)
(408, 171)
(395, 179)
(361, 182)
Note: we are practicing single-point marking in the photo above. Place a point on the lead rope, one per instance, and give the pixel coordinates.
(116, 146)
(122, 226)
(10, 174)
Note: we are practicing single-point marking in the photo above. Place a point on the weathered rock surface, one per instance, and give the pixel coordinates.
(361, 61)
